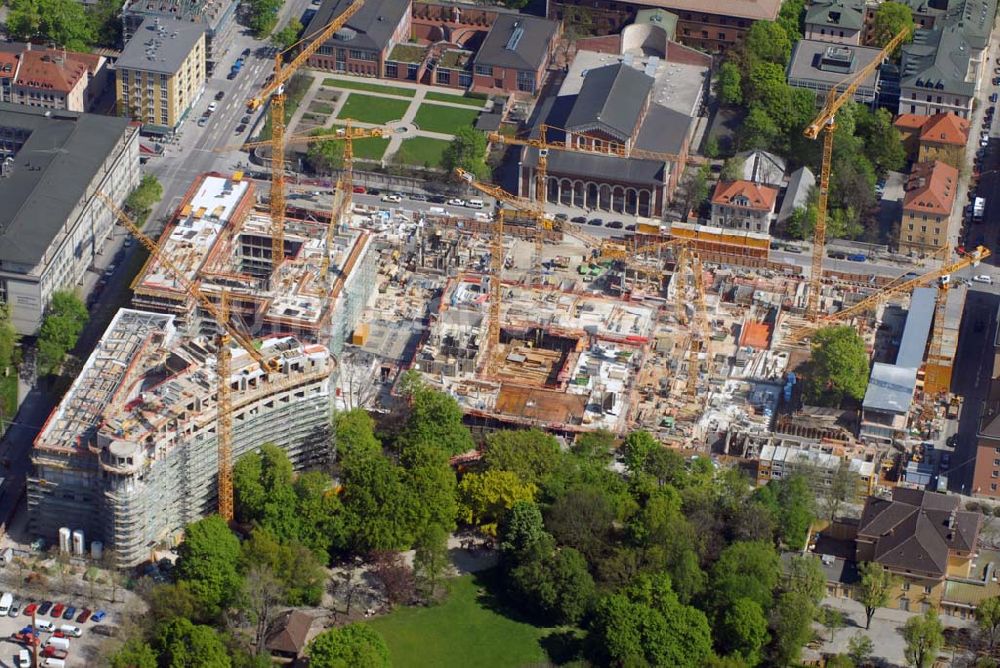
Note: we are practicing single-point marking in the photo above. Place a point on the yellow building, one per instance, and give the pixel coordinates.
(161, 73)
(930, 195)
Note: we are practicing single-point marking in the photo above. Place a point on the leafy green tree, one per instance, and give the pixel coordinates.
(531, 454)
(64, 320)
(182, 644)
(145, 196)
(435, 418)
(988, 620)
(882, 143)
(839, 661)
(832, 619)
(175, 599)
(842, 488)
(582, 518)
(326, 156)
(924, 636)
(354, 433)
(767, 86)
(711, 148)
(430, 558)
(790, 18)
(791, 627)
(207, 562)
(732, 170)
(467, 150)
(263, 15)
(694, 189)
(296, 567)
(521, 530)
(485, 497)
(8, 338)
(860, 648)
(791, 503)
(287, 36)
(729, 84)
(668, 542)
(105, 21)
(320, 513)
(269, 500)
(558, 588)
(874, 588)
(746, 570)
(377, 505)
(135, 653)
(61, 21)
(889, 20)
(742, 631)
(348, 646)
(759, 129)
(645, 624)
(805, 576)
(768, 42)
(430, 484)
(838, 368)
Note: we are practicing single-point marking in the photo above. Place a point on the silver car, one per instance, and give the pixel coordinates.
(15, 607)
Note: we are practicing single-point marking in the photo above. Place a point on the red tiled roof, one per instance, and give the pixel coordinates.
(756, 335)
(759, 198)
(50, 70)
(946, 129)
(8, 65)
(910, 121)
(931, 188)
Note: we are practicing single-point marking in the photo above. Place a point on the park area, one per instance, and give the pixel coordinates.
(373, 109)
(422, 151)
(466, 629)
(439, 118)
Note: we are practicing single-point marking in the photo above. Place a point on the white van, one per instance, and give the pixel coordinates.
(45, 625)
(52, 662)
(5, 602)
(475, 203)
(58, 643)
(24, 659)
(71, 631)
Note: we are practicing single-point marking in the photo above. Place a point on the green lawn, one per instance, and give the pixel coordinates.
(464, 630)
(372, 109)
(438, 118)
(8, 398)
(457, 99)
(422, 151)
(370, 87)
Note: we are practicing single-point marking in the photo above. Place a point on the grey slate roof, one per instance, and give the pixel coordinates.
(160, 50)
(918, 326)
(800, 183)
(845, 14)
(529, 50)
(599, 167)
(917, 529)
(890, 388)
(370, 29)
(937, 60)
(612, 97)
(804, 68)
(51, 173)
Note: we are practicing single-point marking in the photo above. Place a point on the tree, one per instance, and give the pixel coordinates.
(859, 648)
(263, 593)
(61, 21)
(485, 497)
(354, 434)
(145, 196)
(8, 338)
(467, 150)
(841, 489)
(521, 530)
(791, 626)
(839, 661)
(768, 42)
(581, 518)
(375, 504)
(286, 37)
(263, 16)
(430, 559)
(791, 504)
(106, 24)
(881, 141)
(296, 566)
(325, 157)
(430, 486)
(729, 84)
(182, 644)
(694, 190)
(349, 646)
(732, 170)
(320, 513)
(838, 368)
(434, 418)
(924, 636)
(746, 570)
(832, 619)
(988, 620)
(64, 320)
(645, 624)
(556, 588)
(395, 576)
(759, 129)
(790, 18)
(207, 563)
(531, 454)
(767, 86)
(873, 591)
(135, 653)
(805, 576)
(742, 631)
(891, 18)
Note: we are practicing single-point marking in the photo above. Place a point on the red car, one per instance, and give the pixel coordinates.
(359, 189)
(83, 616)
(58, 609)
(30, 609)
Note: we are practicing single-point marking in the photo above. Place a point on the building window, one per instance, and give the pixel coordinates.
(391, 70)
(444, 76)
(526, 81)
(905, 586)
(485, 70)
(927, 589)
(411, 71)
(993, 487)
(464, 79)
(722, 36)
(996, 474)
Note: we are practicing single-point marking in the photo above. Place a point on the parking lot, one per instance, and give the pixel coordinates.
(83, 651)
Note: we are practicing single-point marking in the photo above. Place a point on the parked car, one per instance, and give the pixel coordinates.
(616, 224)
(455, 201)
(24, 659)
(856, 257)
(983, 278)
(221, 94)
(15, 607)
(475, 203)
(596, 222)
(374, 191)
(212, 106)
(359, 190)
(83, 616)
(580, 220)
(392, 197)
(245, 119)
(30, 609)
(240, 128)
(417, 197)
(994, 97)
(44, 608)
(70, 613)
(246, 52)
(562, 217)
(71, 631)
(630, 227)
(58, 609)
(202, 121)
(98, 616)
(45, 625)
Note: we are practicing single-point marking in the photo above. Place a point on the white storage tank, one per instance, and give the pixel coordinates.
(79, 546)
(96, 550)
(64, 539)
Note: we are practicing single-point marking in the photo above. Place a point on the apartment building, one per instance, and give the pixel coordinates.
(217, 16)
(363, 45)
(52, 226)
(743, 205)
(819, 66)
(930, 196)
(515, 54)
(161, 73)
(939, 137)
(50, 78)
(837, 21)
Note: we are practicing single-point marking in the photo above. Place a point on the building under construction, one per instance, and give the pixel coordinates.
(129, 457)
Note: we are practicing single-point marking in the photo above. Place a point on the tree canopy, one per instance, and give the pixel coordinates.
(468, 151)
(874, 588)
(838, 368)
(890, 19)
(348, 646)
(64, 320)
(207, 561)
(924, 636)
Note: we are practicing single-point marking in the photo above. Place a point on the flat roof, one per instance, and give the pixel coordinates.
(805, 64)
(61, 153)
(890, 388)
(917, 327)
(160, 45)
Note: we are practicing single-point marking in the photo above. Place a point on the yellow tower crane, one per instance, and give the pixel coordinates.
(972, 259)
(543, 145)
(839, 95)
(275, 92)
(224, 419)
